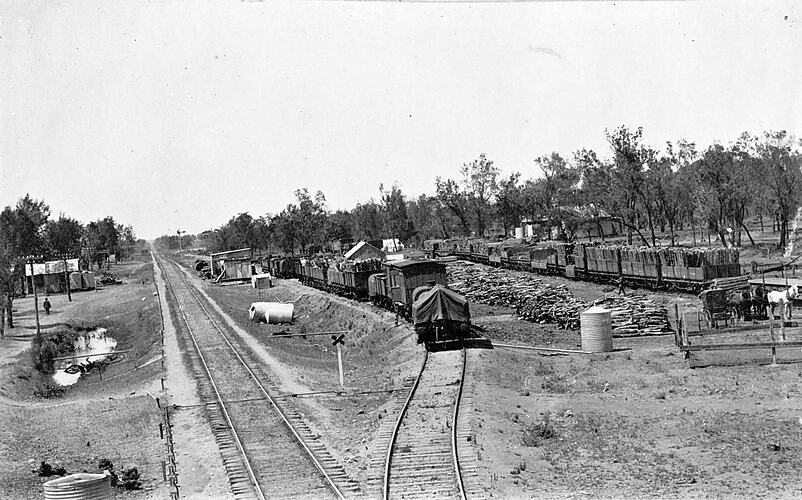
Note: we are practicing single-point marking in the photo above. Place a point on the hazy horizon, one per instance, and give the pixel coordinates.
(178, 114)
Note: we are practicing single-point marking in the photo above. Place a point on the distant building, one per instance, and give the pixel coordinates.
(605, 226)
(48, 277)
(232, 265)
(364, 250)
(392, 245)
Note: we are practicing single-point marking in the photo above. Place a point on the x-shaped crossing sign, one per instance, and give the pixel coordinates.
(338, 340)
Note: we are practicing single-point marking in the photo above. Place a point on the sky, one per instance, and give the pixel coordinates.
(172, 114)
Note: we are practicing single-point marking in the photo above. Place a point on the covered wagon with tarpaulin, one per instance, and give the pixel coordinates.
(440, 315)
(234, 265)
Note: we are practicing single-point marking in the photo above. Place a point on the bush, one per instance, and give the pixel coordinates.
(535, 434)
(129, 479)
(43, 351)
(48, 346)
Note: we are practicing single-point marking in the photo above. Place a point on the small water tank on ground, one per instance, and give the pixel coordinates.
(81, 486)
(596, 330)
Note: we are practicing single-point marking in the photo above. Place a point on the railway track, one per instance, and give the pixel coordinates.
(268, 449)
(423, 455)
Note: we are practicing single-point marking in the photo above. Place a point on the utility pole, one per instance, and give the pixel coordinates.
(180, 250)
(31, 260)
(67, 277)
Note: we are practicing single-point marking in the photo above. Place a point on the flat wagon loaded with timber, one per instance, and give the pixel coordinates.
(685, 269)
(682, 269)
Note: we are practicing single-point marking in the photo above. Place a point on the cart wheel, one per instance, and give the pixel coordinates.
(733, 312)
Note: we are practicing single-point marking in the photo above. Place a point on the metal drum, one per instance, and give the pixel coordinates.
(596, 329)
(81, 486)
(271, 312)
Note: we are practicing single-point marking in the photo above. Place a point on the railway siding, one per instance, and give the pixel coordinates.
(264, 457)
(421, 462)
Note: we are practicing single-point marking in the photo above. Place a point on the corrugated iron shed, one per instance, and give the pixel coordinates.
(364, 250)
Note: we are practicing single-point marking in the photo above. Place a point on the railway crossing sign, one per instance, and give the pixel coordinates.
(338, 341)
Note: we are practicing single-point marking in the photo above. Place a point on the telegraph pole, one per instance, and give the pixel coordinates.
(31, 260)
(66, 277)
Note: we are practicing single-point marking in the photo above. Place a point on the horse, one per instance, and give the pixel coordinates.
(759, 303)
(786, 298)
(742, 302)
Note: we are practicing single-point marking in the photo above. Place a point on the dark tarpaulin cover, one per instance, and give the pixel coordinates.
(440, 303)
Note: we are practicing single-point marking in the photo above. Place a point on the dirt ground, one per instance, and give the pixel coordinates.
(114, 418)
(201, 473)
(636, 422)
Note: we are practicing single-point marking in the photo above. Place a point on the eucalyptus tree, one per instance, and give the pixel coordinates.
(480, 179)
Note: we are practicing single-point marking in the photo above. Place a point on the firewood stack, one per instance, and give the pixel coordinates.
(636, 315)
(540, 302)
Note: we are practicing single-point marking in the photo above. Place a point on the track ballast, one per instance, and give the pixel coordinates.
(267, 448)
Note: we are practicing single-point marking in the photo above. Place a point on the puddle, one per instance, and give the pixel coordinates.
(94, 346)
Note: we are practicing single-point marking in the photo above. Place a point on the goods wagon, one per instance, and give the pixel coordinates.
(683, 269)
(440, 315)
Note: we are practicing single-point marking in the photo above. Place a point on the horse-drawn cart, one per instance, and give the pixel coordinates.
(716, 308)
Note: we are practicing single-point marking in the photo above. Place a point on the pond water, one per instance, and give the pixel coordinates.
(93, 346)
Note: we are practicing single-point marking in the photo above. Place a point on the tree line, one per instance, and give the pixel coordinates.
(648, 191)
(27, 230)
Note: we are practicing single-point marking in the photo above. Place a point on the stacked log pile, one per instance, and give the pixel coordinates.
(540, 302)
(532, 299)
(636, 315)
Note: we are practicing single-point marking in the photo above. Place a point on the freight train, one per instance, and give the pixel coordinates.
(415, 289)
(680, 269)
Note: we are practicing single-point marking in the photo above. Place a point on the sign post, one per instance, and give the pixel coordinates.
(338, 341)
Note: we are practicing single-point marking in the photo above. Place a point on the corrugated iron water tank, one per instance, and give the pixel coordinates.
(596, 330)
(81, 486)
(271, 312)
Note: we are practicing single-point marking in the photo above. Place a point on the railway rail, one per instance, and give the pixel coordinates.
(422, 458)
(268, 449)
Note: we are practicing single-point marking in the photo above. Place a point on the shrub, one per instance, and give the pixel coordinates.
(48, 346)
(535, 434)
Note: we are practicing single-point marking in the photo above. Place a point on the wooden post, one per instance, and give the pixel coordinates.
(35, 299)
(67, 279)
(771, 324)
(340, 364)
(678, 334)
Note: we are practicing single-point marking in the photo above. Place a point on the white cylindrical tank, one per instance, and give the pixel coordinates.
(81, 486)
(271, 312)
(596, 330)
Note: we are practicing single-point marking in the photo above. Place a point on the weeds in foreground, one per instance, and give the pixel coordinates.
(48, 390)
(128, 479)
(535, 434)
(555, 385)
(48, 346)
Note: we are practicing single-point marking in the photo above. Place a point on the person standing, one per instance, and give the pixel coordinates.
(46, 306)
(620, 283)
